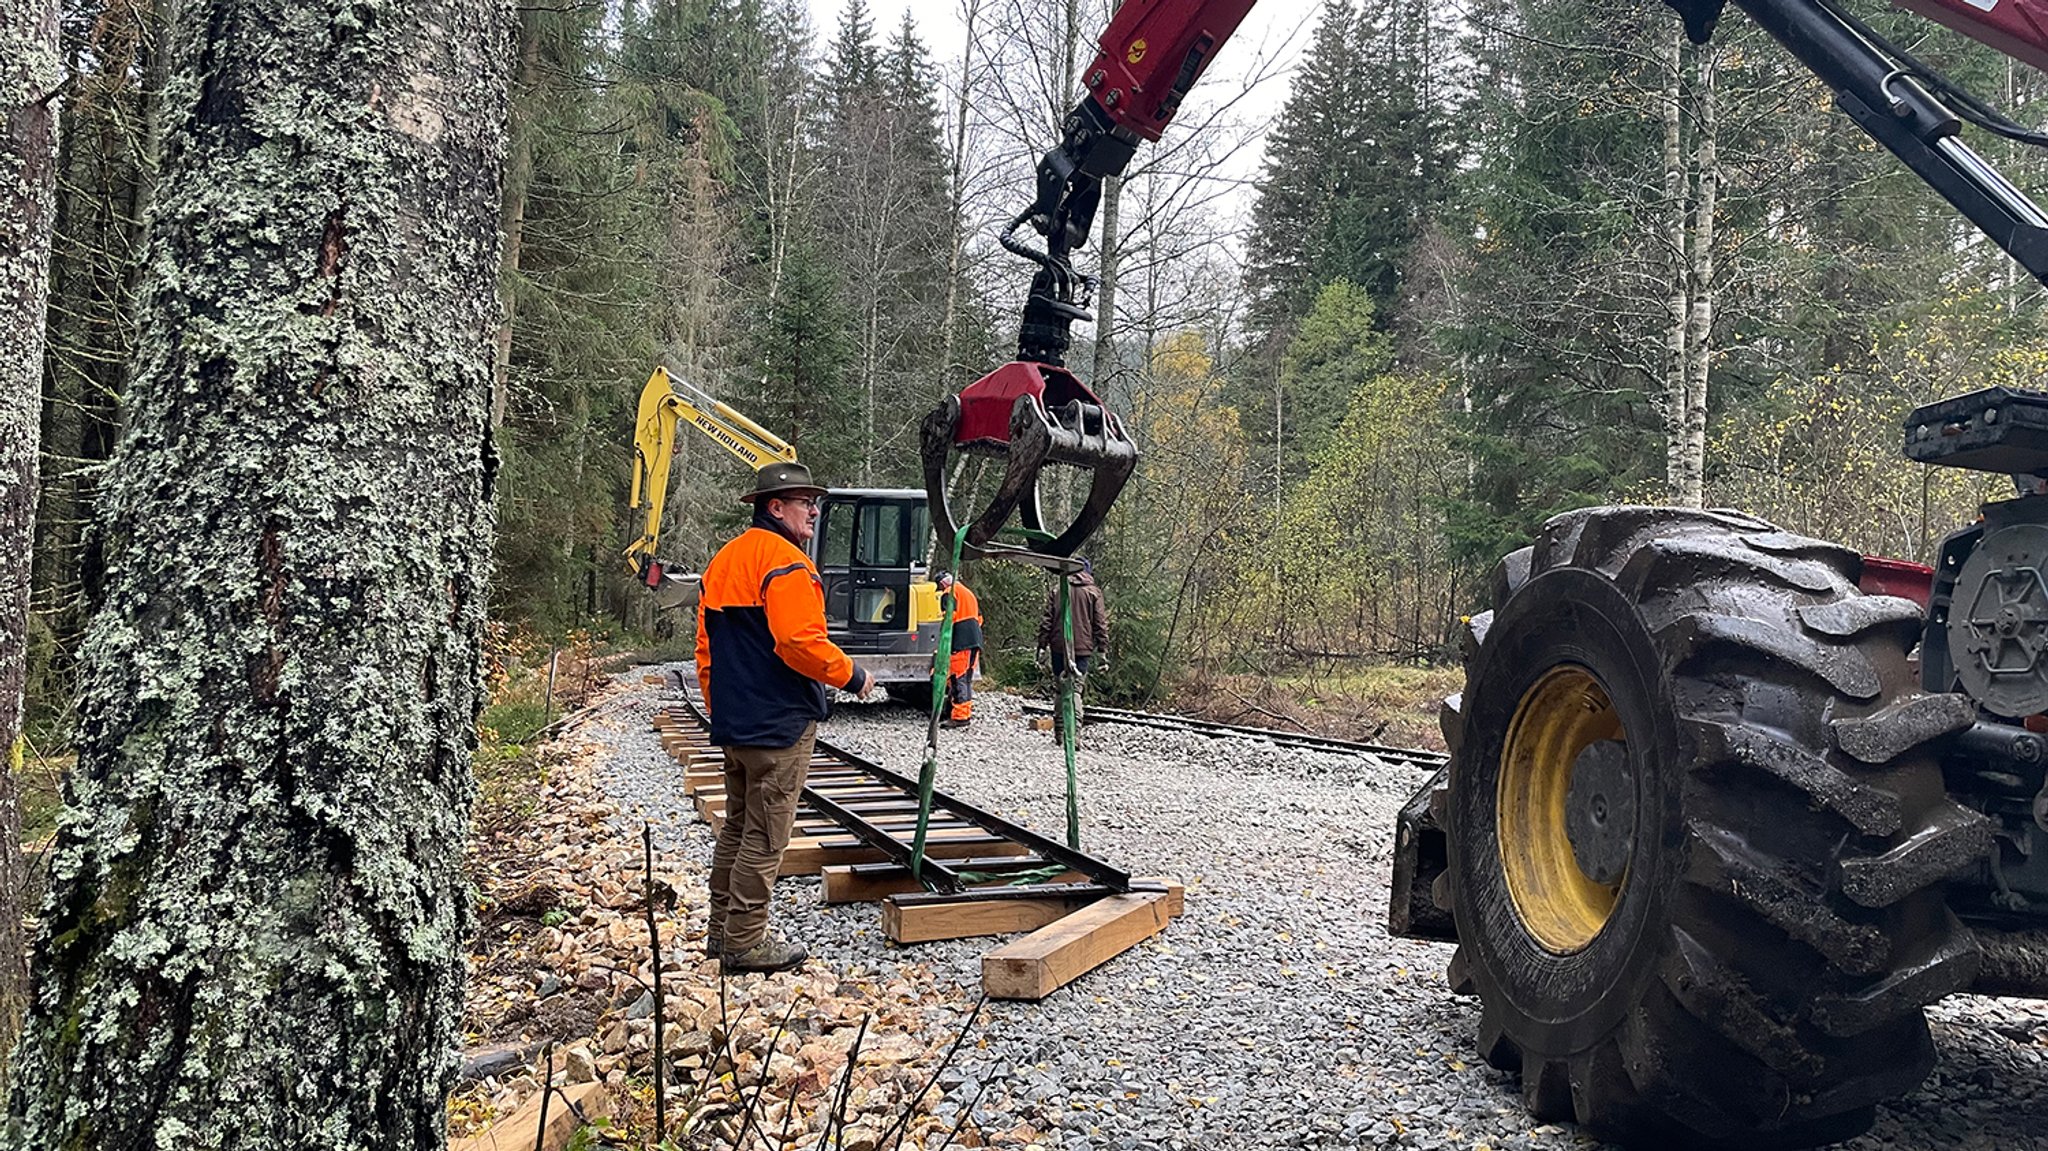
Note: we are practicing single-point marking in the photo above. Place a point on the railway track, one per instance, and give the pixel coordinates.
(857, 813)
(977, 875)
(1378, 753)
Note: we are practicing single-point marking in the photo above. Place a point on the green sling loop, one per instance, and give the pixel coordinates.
(1069, 708)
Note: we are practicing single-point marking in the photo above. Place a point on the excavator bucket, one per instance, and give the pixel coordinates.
(1028, 415)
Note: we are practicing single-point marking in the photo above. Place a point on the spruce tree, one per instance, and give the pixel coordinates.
(1308, 159)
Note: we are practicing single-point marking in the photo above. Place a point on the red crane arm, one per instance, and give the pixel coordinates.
(1152, 52)
(2018, 28)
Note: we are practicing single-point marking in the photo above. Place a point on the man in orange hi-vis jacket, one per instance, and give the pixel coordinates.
(765, 663)
(966, 650)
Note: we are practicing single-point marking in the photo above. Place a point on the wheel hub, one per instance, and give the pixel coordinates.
(1566, 809)
(1600, 811)
(1998, 626)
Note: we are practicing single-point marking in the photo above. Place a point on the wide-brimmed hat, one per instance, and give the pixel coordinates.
(786, 481)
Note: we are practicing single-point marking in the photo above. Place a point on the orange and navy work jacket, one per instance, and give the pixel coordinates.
(966, 618)
(763, 658)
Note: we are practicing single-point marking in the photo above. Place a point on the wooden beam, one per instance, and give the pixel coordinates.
(1059, 953)
(811, 856)
(967, 918)
(848, 883)
(1176, 895)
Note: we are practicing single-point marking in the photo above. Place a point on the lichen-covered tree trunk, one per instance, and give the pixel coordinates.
(253, 934)
(29, 77)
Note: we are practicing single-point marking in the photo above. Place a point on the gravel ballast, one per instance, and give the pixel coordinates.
(1276, 1012)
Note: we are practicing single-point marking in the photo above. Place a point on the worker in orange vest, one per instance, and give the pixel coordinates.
(765, 664)
(966, 650)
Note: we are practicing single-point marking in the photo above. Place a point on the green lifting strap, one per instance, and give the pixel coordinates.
(1069, 712)
(1069, 709)
(942, 659)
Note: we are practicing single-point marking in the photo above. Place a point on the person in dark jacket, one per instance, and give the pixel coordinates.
(1091, 622)
(765, 662)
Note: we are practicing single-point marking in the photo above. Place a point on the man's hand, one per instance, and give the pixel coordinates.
(873, 693)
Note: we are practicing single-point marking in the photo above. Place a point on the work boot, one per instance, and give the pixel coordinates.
(950, 722)
(771, 954)
(712, 946)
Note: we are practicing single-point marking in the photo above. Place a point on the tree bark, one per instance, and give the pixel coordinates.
(254, 931)
(30, 72)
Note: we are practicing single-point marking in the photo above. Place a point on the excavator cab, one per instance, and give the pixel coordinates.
(870, 552)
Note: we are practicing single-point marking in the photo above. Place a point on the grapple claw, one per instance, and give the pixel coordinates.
(1027, 414)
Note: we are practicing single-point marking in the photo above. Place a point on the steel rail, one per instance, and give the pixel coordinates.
(946, 879)
(1050, 849)
(1419, 757)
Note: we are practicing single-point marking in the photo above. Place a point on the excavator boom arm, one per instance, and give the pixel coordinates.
(666, 402)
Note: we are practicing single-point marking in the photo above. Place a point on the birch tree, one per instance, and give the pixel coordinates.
(254, 931)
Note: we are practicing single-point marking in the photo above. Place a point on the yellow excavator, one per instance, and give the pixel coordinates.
(880, 603)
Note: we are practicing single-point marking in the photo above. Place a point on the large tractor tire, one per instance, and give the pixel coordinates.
(1697, 840)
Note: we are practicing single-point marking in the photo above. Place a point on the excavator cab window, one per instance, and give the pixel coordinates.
(881, 591)
(835, 535)
(870, 543)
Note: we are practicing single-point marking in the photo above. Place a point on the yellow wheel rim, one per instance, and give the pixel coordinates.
(1559, 716)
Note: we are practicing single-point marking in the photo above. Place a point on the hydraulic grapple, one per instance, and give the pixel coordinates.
(1032, 411)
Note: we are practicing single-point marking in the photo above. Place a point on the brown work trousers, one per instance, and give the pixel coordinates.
(762, 785)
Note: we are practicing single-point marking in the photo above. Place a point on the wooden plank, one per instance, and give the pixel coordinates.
(813, 823)
(809, 857)
(1176, 895)
(837, 838)
(846, 883)
(1059, 953)
(967, 918)
(964, 834)
(903, 825)
(520, 1131)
